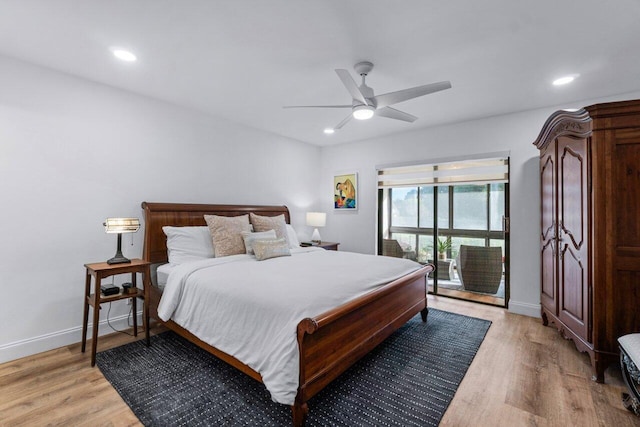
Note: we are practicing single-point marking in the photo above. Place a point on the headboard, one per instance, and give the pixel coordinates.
(157, 215)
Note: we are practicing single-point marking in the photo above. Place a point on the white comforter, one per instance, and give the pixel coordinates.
(250, 309)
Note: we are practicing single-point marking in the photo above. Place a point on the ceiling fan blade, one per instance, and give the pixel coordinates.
(392, 113)
(344, 122)
(318, 106)
(351, 86)
(406, 94)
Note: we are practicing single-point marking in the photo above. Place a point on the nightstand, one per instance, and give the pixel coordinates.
(99, 271)
(330, 246)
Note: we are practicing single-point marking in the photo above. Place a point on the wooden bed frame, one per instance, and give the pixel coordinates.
(329, 343)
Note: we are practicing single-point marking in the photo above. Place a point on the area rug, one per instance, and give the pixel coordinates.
(408, 380)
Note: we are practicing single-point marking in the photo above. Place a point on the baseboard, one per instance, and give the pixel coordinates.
(525, 308)
(18, 349)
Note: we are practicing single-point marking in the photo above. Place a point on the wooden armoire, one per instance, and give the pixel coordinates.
(590, 226)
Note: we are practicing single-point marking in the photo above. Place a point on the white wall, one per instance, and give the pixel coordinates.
(513, 133)
(74, 153)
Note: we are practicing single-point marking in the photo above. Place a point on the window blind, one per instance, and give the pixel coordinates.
(476, 171)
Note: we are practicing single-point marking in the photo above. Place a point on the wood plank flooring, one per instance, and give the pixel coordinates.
(470, 296)
(524, 374)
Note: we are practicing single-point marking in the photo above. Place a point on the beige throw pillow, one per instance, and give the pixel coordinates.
(226, 233)
(265, 249)
(266, 223)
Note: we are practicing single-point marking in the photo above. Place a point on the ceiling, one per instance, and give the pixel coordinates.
(245, 59)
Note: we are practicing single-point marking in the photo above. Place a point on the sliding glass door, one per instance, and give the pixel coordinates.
(461, 228)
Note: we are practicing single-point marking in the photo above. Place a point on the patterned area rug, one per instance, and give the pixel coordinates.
(408, 380)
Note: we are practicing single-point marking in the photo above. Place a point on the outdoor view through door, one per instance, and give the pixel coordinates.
(454, 215)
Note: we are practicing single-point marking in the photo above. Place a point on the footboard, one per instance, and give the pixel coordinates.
(335, 340)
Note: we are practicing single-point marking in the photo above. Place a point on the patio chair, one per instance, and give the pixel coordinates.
(480, 268)
(391, 247)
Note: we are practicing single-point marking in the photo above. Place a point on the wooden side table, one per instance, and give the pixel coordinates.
(99, 271)
(330, 246)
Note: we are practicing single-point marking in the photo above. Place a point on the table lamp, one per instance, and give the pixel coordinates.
(316, 219)
(120, 225)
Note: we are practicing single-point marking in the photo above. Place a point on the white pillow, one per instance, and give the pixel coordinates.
(293, 237)
(186, 244)
(249, 238)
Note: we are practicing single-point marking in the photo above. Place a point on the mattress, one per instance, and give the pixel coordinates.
(162, 274)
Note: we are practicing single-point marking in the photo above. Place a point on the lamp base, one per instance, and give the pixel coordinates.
(315, 237)
(119, 259)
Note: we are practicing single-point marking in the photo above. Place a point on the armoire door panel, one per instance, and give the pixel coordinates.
(573, 292)
(548, 296)
(548, 267)
(548, 189)
(572, 195)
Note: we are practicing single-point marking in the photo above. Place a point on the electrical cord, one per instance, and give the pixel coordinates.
(128, 320)
(130, 309)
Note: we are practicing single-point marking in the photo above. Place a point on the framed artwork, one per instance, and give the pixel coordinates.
(345, 189)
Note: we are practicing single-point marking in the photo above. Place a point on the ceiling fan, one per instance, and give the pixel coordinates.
(365, 104)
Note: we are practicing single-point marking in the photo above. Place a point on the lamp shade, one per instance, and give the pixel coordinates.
(121, 225)
(316, 219)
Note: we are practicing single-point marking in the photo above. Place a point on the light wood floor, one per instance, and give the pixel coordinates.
(470, 296)
(523, 375)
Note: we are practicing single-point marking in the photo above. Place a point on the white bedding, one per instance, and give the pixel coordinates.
(250, 309)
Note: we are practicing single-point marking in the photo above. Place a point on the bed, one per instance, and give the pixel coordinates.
(328, 343)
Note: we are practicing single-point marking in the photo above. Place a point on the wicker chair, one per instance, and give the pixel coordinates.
(480, 268)
(391, 247)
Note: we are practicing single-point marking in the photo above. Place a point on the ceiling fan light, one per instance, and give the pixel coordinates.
(363, 112)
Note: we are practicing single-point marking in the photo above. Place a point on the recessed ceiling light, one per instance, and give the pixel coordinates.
(329, 131)
(565, 80)
(124, 55)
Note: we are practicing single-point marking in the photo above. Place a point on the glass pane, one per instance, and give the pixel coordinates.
(496, 206)
(404, 207)
(470, 207)
(443, 207)
(408, 243)
(425, 248)
(426, 207)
